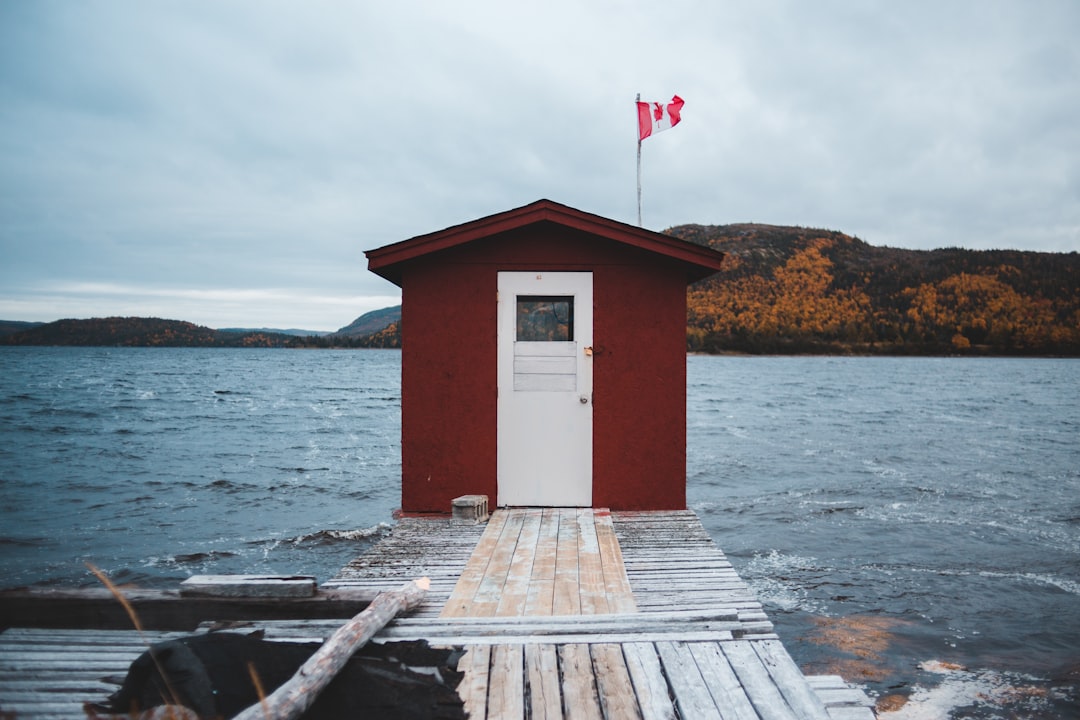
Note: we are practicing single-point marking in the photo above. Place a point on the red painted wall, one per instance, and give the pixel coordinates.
(448, 385)
(639, 388)
(449, 366)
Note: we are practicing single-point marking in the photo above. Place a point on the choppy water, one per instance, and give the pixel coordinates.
(156, 464)
(913, 524)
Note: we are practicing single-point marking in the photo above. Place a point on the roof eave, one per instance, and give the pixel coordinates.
(385, 261)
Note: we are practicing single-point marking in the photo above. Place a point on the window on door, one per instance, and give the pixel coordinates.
(545, 318)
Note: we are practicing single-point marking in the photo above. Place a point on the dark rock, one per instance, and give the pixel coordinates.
(211, 675)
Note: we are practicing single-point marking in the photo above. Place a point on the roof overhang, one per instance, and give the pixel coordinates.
(700, 261)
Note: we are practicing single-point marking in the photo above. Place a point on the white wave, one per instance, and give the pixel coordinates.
(875, 466)
(963, 688)
(1068, 586)
(770, 578)
(360, 534)
(774, 562)
(705, 507)
(782, 596)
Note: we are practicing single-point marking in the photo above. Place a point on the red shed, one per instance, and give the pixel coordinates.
(543, 360)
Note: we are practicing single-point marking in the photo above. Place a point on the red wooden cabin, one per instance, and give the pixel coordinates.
(544, 360)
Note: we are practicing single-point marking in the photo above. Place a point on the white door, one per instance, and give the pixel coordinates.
(545, 389)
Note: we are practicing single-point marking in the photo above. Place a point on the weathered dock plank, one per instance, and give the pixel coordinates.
(766, 696)
(842, 700)
(647, 676)
(80, 608)
(434, 548)
(47, 673)
(638, 659)
(514, 594)
(619, 592)
(541, 595)
(485, 600)
(689, 687)
(725, 688)
(545, 690)
(591, 588)
(248, 586)
(580, 698)
(506, 682)
(543, 562)
(473, 689)
(565, 613)
(613, 682)
(566, 600)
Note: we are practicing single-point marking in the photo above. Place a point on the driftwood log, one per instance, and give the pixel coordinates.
(293, 698)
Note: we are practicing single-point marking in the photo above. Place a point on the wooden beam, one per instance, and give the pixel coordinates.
(164, 609)
(249, 586)
(613, 682)
(580, 701)
(541, 598)
(689, 687)
(472, 576)
(506, 682)
(297, 694)
(473, 689)
(545, 690)
(515, 590)
(567, 599)
(643, 666)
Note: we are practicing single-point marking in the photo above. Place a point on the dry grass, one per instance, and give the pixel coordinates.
(173, 709)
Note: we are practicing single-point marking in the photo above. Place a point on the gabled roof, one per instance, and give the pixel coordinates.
(700, 261)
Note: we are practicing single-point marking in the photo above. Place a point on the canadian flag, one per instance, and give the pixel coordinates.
(653, 117)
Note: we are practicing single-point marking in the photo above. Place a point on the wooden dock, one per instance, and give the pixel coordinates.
(569, 613)
(592, 614)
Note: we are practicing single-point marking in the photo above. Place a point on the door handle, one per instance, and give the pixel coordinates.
(584, 399)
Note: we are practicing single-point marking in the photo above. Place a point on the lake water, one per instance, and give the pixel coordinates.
(910, 523)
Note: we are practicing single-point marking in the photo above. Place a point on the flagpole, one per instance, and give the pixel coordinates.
(638, 166)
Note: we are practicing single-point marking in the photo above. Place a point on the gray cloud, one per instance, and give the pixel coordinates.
(228, 163)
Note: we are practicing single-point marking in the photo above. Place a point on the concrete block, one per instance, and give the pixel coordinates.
(469, 509)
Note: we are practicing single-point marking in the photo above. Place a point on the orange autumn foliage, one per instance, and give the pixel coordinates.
(797, 290)
(800, 301)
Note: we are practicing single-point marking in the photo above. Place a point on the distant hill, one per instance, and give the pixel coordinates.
(375, 329)
(155, 332)
(7, 327)
(792, 289)
(372, 322)
(276, 331)
(139, 332)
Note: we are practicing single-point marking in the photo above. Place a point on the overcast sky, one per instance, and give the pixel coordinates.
(228, 162)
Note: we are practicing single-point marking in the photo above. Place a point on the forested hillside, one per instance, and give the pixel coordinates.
(139, 332)
(783, 290)
(155, 332)
(371, 323)
(790, 289)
